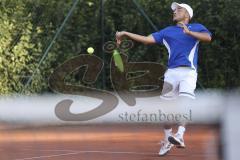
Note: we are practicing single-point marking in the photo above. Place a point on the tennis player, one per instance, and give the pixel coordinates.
(182, 42)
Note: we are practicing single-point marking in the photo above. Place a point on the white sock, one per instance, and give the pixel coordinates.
(181, 130)
(168, 132)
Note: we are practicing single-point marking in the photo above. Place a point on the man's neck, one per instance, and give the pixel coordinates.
(184, 21)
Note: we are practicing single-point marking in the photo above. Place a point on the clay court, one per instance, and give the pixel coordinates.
(105, 142)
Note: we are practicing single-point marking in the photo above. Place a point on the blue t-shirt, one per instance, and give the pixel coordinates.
(182, 48)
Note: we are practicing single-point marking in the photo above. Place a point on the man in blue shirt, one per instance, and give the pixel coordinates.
(181, 41)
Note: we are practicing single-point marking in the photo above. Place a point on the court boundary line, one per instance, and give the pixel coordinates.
(74, 152)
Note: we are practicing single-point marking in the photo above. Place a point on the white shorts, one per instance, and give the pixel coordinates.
(179, 81)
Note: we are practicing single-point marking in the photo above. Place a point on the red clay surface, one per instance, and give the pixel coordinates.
(105, 142)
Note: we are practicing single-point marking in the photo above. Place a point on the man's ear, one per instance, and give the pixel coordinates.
(187, 16)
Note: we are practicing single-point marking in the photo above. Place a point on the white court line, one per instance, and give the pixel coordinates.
(79, 152)
(116, 152)
(49, 150)
(49, 156)
(103, 152)
(109, 152)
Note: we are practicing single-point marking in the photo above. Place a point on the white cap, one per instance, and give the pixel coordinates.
(183, 5)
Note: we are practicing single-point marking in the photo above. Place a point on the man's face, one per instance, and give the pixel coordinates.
(180, 14)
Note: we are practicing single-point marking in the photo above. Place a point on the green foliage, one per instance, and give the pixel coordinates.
(15, 46)
(27, 28)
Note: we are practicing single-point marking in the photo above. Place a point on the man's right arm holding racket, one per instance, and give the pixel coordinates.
(201, 36)
(142, 39)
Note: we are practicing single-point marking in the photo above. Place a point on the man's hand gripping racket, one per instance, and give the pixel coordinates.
(116, 47)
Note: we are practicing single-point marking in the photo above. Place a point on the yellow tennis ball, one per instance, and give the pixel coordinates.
(90, 50)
